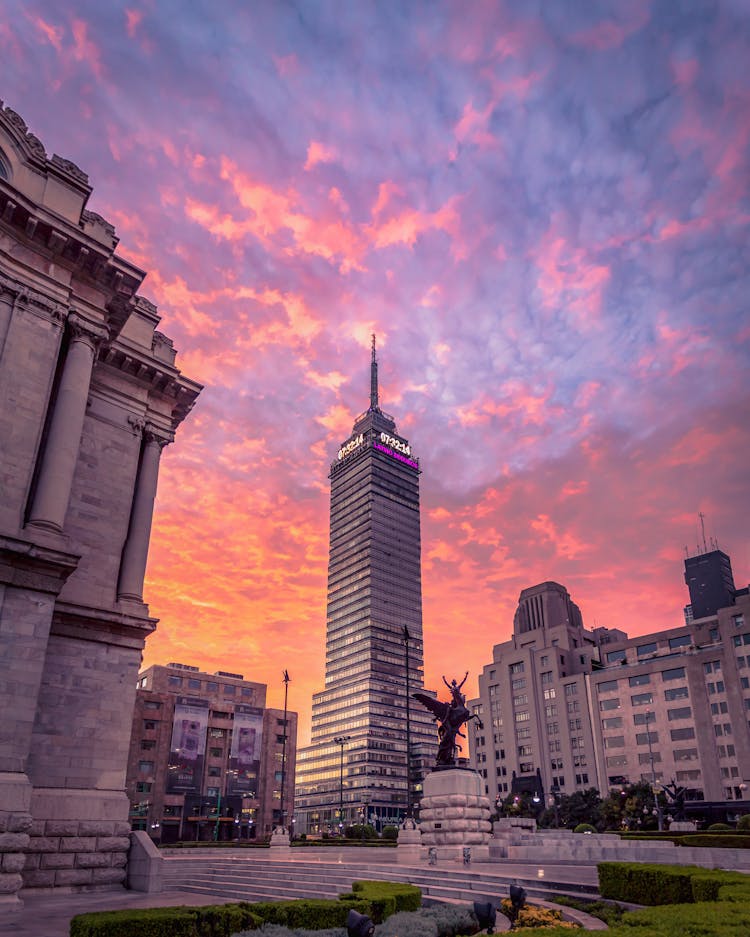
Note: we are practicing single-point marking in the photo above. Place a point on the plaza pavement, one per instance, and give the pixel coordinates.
(48, 914)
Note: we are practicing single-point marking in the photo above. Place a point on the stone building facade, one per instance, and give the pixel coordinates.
(566, 709)
(89, 396)
(223, 795)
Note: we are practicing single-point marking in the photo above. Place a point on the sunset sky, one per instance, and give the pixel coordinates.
(543, 211)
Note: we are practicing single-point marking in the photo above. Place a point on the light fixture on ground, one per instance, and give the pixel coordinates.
(486, 914)
(517, 901)
(358, 925)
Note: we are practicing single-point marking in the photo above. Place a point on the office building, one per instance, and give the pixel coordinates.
(207, 758)
(90, 394)
(566, 709)
(357, 759)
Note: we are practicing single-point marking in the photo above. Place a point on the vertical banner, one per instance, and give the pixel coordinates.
(187, 752)
(244, 756)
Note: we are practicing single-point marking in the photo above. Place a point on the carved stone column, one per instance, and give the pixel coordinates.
(64, 438)
(135, 551)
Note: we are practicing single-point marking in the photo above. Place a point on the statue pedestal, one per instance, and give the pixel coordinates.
(409, 849)
(682, 826)
(280, 841)
(454, 814)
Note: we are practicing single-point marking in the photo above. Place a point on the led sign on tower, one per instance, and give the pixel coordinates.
(396, 444)
(350, 446)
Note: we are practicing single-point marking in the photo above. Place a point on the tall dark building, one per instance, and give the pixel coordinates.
(710, 582)
(357, 757)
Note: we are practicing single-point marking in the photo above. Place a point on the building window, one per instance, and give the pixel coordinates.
(643, 738)
(643, 649)
(739, 621)
(617, 761)
(212, 791)
(682, 735)
(518, 684)
(149, 724)
(247, 691)
(712, 666)
(194, 684)
(574, 706)
(173, 680)
(550, 710)
(614, 657)
(216, 752)
(642, 699)
(517, 668)
(214, 771)
(615, 722)
(152, 704)
(740, 639)
(571, 689)
(644, 758)
(549, 693)
(606, 704)
(614, 741)
(641, 679)
(684, 712)
(607, 686)
(522, 717)
(521, 700)
(675, 673)
(143, 787)
(685, 640)
(148, 745)
(717, 687)
(526, 767)
(146, 767)
(685, 754)
(547, 677)
(678, 692)
(524, 751)
(229, 689)
(719, 709)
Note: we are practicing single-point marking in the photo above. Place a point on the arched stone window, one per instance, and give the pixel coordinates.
(4, 168)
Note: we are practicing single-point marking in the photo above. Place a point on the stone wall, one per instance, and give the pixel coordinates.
(89, 396)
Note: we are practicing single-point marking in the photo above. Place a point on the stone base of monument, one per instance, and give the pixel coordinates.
(280, 840)
(409, 849)
(454, 816)
(682, 826)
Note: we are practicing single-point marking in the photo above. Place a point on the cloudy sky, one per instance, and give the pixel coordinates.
(542, 210)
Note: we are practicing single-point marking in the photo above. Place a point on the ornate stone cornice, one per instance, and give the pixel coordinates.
(24, 296)
(155, 434)
(91, 332)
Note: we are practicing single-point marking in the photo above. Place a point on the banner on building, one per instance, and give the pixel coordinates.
(187, 752)
(244, 755)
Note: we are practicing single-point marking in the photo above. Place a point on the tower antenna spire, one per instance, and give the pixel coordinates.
(373, 377)
(703, 530)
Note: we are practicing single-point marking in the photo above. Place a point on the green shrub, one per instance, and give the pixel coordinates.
(390, 833)
(645, 884)
(730, 840)
(606, 911)
(386, 898)
(309, 913)
(687, 919)
(743, 824)
(719, 828)
(140, 922)
(408, 924)
(585, 828)
(451, 919)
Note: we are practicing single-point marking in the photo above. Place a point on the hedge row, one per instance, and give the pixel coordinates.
(377, 900)
(727, 840)
(641, 883)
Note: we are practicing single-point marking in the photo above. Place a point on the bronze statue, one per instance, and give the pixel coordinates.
(451, 717)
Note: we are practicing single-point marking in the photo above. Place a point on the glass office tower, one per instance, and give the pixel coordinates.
(356, 764)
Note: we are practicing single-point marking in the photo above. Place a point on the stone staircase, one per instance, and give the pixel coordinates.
(252, 878)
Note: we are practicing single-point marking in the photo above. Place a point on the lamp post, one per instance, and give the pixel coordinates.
(341, 740)
(407, 638)
(555, 804)
(654, 791)
(283, 750)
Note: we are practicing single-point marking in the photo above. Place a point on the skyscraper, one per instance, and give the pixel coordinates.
(357, 759)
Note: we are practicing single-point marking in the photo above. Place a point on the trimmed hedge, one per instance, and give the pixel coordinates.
(210, 921)
(378, 900)
(716, 840)
(668, 884)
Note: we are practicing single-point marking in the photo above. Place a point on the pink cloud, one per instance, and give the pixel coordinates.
(319, 153)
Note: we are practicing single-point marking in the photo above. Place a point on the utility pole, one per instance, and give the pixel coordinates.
(407, 638)
(283, 750)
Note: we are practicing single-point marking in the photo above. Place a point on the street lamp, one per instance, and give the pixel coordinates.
(554, 802)
(407, 638)
(654, 791)
(341, 740)
(283, 751)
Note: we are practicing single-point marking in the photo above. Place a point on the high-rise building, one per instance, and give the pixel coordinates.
(357, 759)
(565, 709)
(207, 758)
(709, 579)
